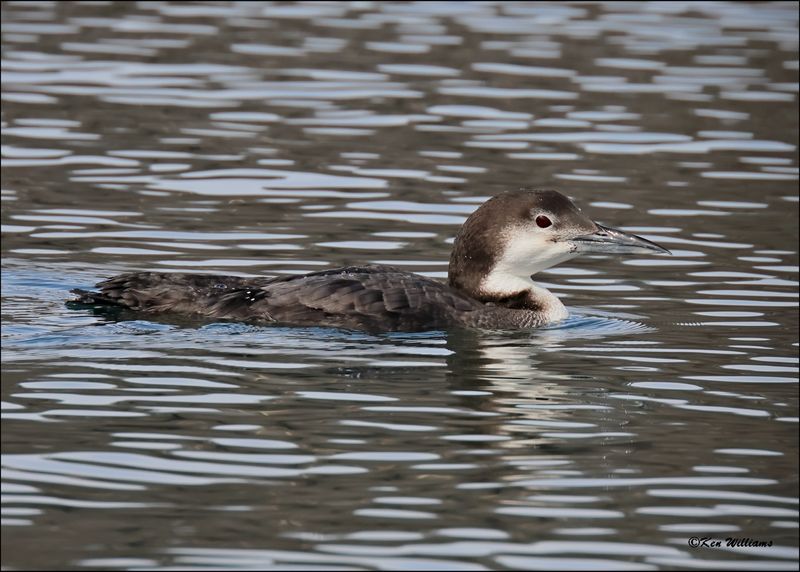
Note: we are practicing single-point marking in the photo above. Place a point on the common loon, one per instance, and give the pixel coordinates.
(506, 240)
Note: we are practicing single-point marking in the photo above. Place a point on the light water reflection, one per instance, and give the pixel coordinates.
(255, 138)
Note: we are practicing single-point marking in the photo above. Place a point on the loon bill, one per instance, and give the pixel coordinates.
(500, 246)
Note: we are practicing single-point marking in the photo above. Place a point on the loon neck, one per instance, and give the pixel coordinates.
(518, 293)
(521, 293)
(552, 309)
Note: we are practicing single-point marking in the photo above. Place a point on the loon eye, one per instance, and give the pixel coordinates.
(543, 222)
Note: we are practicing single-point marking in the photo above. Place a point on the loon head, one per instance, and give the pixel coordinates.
(519, 233)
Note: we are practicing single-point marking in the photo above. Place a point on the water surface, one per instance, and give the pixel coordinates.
(259, 139)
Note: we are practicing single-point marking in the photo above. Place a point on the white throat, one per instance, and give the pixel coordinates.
(524, 255)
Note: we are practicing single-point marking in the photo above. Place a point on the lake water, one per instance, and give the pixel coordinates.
(260, 139)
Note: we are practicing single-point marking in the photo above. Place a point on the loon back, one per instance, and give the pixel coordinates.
(372, 298)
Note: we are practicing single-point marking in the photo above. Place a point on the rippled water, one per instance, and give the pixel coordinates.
(258, 138)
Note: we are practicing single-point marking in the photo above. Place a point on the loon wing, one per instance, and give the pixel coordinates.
(379, 298)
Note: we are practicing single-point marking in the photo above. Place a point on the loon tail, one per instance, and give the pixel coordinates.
(89, 297)
(158, 292)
